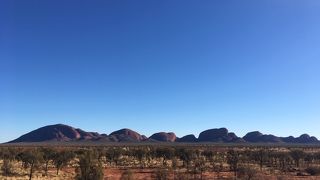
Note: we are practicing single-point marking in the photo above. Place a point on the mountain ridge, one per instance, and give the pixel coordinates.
(66, 133)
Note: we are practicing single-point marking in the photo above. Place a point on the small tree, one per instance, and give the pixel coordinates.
(283, 160)
(48, 155)
(90, 168)
(297, 155)
(31, 158)
(260, 156)
(62, 158)
(233, 161)
(309, 158)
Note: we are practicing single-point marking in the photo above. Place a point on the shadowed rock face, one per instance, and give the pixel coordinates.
(253, 136)
(188, 138)
(304, 138)
(270, 138)
(217, 135)
(256, 136)
(232, 137)
(87, 135)
(289, 139)
(58, 132)
(164, 137)
(127, 135)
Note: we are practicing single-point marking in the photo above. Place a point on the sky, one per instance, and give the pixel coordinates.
(182, 66)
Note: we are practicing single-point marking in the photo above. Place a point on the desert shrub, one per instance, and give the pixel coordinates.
(100, 154)
(233, 158)
(62, 158)
(199, 166)
(260, 156)
(31, 158)
(247, 173)
(127, 175)
(313, 171)
(48, 155)
(282, 160)
(161, 174)
(113, 155)
(139, 154)
(8, 153)
(174, 166)
(89, 168)
(208, 154)
(7, 167)
(185, 155)
(218, 168)
(297, 155)
(165, 153)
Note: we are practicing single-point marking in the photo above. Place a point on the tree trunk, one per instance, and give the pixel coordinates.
(46, 170)
(31, 171)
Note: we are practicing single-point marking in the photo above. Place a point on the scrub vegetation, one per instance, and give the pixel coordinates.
(159, 162)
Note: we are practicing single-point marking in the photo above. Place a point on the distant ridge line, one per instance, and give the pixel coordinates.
(66, 133)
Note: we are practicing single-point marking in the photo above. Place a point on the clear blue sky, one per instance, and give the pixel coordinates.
(182, 66)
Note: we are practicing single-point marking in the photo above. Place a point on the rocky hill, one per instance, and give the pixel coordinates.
(218, 135)
(164, 137)
(65, 133)
(127, 135)
(58, 132)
